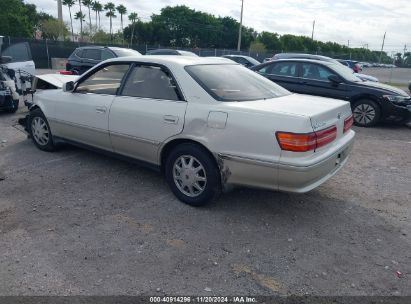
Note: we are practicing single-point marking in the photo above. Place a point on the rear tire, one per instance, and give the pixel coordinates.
(40, 132)
(366, 113)
(192, 175)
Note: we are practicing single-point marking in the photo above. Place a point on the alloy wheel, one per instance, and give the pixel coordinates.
(40, 131)
(364, 114)
(189, 175)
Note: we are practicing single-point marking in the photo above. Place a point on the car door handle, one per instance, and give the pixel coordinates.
(101, 110)
(171, 119)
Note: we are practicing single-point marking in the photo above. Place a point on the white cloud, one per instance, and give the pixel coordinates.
(361, 22)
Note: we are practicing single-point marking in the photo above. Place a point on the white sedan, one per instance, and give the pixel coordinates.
(206, 123)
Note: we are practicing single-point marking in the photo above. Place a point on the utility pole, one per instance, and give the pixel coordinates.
(60, 16)
(382, 47)
(241, 25)
(349, 48)
(59, 11)
(312, 33)
(405, 49)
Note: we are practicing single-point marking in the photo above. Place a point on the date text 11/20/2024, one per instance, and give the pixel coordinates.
(205, 299)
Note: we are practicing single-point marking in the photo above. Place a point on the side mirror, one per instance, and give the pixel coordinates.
(68, 86)
(334, 79)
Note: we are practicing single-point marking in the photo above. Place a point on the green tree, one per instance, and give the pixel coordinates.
(122, 10)
(69, 4)
(133, 17)
(88, 4)
(257, 47)
(98, 8)
(81, 17)
(13, 19)
(270, 40)
(78, 14)
(110, 8)
(53, 29)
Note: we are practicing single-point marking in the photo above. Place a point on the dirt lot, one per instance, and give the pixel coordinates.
(77, 222)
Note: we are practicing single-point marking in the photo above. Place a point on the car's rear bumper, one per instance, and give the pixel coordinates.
(298, 177)
(301, 179)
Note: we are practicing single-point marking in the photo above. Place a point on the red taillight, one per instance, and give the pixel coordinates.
(62, 72)
(297, 142)
(348, 123)
(326, 136)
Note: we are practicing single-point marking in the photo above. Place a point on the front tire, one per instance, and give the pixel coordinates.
(192, 175)
(40, 131)
(366, 113)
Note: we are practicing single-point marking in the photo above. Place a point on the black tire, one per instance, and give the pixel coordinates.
(212, 184)
(37, 116)
(15, 107)
(366, 113)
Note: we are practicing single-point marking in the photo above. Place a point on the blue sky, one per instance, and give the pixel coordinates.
(362, 22)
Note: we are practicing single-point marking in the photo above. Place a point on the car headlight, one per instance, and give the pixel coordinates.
(398, 99)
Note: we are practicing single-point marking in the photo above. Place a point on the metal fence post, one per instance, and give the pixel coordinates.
(48, 55)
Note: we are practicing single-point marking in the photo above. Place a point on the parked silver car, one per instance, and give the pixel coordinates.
(206, 123)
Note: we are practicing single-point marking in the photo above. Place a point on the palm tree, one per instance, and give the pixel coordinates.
(97, 7)
(80, 16)
(122, 10)
(81, 19)
(133, 17)
(88, 3)
(69, 4)
(110, 8)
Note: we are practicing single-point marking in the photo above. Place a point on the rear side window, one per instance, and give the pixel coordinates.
(93, 54)
(106, 54)
(79, 53)
(106, 80)
(18, 52)
(150, 82)
(232, 82)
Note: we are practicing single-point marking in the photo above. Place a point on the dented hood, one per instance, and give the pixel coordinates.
(57, 80)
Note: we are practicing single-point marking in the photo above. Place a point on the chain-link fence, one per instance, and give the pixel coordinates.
(44, 50)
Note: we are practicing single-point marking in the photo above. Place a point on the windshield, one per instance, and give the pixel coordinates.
(345, 72)
(126, 52)
(227, 82)
(252, 60)
(185, 53)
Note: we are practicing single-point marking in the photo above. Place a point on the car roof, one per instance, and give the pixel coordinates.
(101, 47)
(302, 60)
(173, 59)
(232, 55)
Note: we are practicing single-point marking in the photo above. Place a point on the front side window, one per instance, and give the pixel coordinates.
(106, 80)
(316, 72)
(231, 82)
(284, 69)
(150, 82)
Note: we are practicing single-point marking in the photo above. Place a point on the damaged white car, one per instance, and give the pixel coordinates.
(205, 123)
(16, 73)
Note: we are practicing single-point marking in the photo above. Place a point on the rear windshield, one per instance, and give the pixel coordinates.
(125, 52)
(233, 82)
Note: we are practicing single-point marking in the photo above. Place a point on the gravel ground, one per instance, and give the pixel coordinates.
(77, 222)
